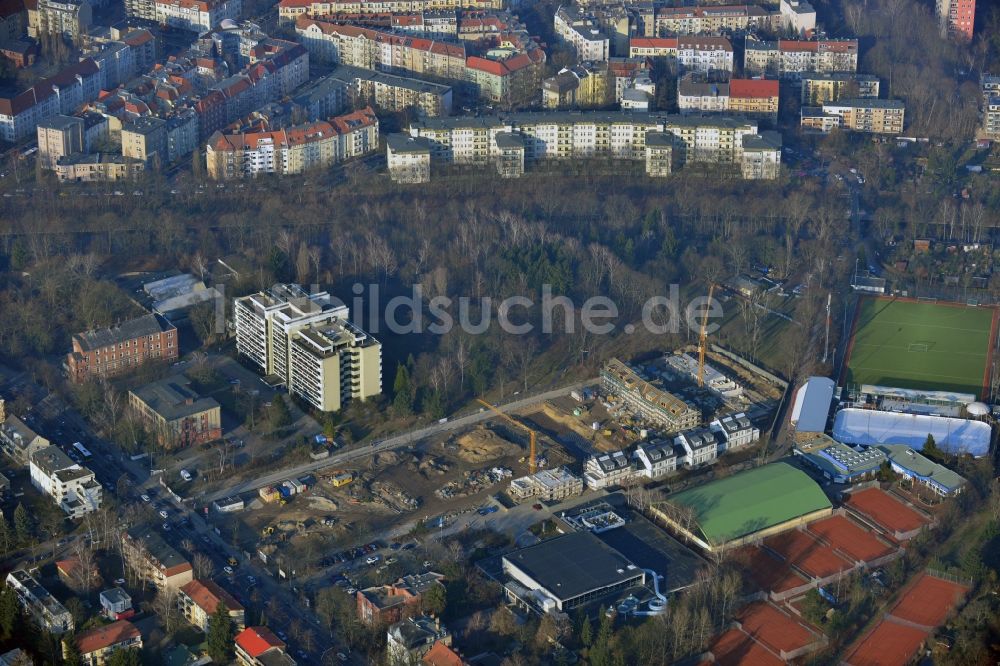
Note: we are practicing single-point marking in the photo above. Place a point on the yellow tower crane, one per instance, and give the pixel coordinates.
(532, 454)
(703, 338)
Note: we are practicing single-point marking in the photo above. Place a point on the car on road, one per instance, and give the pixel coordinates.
(487, 510)
(204, 537)
(536, 507)
(282, 635)
(428, 564)
(186, 475)
(373, 559)
(251, 580)
(228, 569)
(166, 527)
(163, 513)
(302, 655)
(341, 656)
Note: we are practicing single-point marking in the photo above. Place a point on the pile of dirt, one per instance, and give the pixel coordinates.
(481, 445)
(320, 503)
(387, 458)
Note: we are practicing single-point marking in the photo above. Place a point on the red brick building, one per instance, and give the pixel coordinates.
(108, 352)
(388, 604)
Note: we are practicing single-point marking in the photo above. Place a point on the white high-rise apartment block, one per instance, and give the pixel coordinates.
(308, 344)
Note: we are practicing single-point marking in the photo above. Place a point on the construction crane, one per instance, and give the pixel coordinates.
(532, 454)
(703, 338)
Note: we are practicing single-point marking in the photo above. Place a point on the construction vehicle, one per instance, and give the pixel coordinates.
(703, 338)
(533, 451)
(267, 531)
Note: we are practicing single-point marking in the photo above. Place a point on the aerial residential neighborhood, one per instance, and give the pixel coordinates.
(499, 332)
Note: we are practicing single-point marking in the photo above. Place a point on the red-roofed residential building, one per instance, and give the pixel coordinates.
(442, 655)
(754, 98)
(62, 93)
(290, 10)
(293, 150)
(256, 646)
(199, 599)
(98, 644)
(788, 58)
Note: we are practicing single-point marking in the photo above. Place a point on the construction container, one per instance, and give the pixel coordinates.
(296, 485)
(341, 479)
(576, 396)
(284, 491)
(269, 494)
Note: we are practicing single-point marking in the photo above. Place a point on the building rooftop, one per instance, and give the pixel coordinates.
(207, 594)
(766, 140)
(812, 405)
(836, 459)
(867, 103)
(116, 595)
(573, 564)
(173, 398)
(165, 555)
(60, 122)
(406, 144)
(52, 459)
(255, 641)
(582, 117)
(146, 325)
(923, 467)
(99, 638)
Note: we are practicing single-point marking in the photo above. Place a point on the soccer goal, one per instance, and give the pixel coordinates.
(918, 347)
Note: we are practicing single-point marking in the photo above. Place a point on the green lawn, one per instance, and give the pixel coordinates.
(923, 346)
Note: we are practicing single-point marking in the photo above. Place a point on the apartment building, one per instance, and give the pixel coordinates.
(692, 53)
(408, 158)
(62, 93)
(199, 600)
(294, 150)
(97, 168)
(700, 446)
(606, 470)
(712, 20)
(790, 58)
(145, 139)
(308, 344)
(583, 33)
(697, 94)
(107, 352)
(98, 644)
(18, 440)
(657, 458)
(176, 415)
(735, 431)
(409, 640)
(70, 19)
(991, 118)
(194, 15)
(651, 403)
(70, 486)
(746, 98)
(584, 85)
(290, 10)
(798, 16)
(547, 485)
(761, 156)
(876, 116)
(258, 646)
(396, 93)
(957, 18)
(45, 610)
(819, 88)
(150, 558)
(13, 22)
(383, 605)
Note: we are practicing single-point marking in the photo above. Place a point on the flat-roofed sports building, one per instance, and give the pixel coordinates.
(919, 469)
(745, 507)
(813, 401)
(870, 427)
(567, 572)
(839, 462)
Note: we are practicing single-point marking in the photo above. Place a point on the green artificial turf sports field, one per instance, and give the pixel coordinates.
(920, 345)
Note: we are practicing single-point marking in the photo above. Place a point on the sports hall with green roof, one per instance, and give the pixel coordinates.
(745, 507)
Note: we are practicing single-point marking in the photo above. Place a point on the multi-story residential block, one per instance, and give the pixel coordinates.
(754, 98)
(649, 402)
(258, 646)
(58, 137)
(107, 352)
(409, 640)
(199, 600)
(154, 560)
(383, 605)
(761, 156)
(821, 87)
(700, 446)
(798, 16)
(697, 94)
(98, 644)
(712, 20)
(790, 58)
(692, 53)
(45, 610)
(68, 18)
(194, 15)
(659, 154)
(657, 458)
(72, 487)
(735, 430)
(408, 158)
(957, 17)
(584, 86)
(177, 415)
(145, 139)
(19, 441)
(116, 604)
(582, 32)
(97, 168)
(877, 116)
(63, 93)
(393, 93)
(13, 22)
(567, 136)
(548, 485)
(290, 10)
(991, 118)
(608, 469)
(294, 150)
(306, 342)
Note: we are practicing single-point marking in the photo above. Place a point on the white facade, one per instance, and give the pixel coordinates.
(71, 486)
(798, 16)
(45, 610)
(700, 446)
(196, 15)
(583, 34)
(656, 459)
(736, 431)
(609, 469)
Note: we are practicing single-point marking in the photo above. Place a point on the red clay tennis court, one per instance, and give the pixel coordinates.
(848, 537)
(929, 601)
(885, 510)
(770, 573)
(888, 644)
(807, 553)
(773, 628)
(734, 648)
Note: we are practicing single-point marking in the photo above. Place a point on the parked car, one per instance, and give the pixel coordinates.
(373, 559)
(228, 569)
(164, 514)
